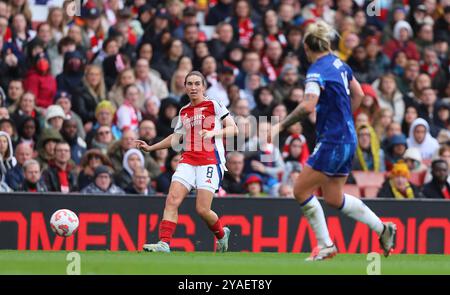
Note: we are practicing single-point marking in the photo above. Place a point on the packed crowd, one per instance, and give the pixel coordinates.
(76, 91)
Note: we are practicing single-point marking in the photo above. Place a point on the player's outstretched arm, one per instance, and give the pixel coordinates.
(229, 129)
(357, 94)
(170, 141)
(302, 110)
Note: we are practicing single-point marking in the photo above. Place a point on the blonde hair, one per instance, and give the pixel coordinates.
(318, 36)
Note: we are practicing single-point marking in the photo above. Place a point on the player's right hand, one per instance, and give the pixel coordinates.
(142, 145)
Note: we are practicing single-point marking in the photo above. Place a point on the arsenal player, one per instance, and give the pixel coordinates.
(201, 126)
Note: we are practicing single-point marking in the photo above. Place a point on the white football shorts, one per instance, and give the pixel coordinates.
(208, 177)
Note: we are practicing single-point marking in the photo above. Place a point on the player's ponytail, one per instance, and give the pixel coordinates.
(318, 36)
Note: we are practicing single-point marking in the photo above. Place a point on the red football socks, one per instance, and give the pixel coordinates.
(217, 229)
(166, 230)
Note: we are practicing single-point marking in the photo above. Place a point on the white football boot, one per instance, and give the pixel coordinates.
(158, 247)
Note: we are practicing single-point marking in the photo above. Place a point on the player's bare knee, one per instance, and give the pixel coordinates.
(172, 201)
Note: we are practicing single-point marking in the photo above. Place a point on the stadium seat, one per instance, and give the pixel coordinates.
(418, 178)
(371, 192)
(368, 178)
(352, 189)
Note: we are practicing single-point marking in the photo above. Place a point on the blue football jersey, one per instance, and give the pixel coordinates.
(334, 111)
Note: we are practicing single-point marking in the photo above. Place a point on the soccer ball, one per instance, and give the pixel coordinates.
(64, 222)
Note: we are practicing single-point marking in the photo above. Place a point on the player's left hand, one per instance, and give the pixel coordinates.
(206, 134)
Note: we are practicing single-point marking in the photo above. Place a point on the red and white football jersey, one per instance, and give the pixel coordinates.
(207, 115)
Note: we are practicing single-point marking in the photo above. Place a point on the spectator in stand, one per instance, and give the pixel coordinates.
(218, 91)
(167, 112)
(254, 186)
(413, 159)
(28, 132)
(405, 82)
(141, 183)
(149, 83)
(15, 176)
(369, 104)
(46, 146)
(92, 92)
(132, 159)
(218, 45)
(54, 118)
(264, 102)
(164, 179)
(242, 23)
(104, 115)
(92, 159)
(381, 121)
(60, 176)
(32, 178)
(265, 159)
(369, 156)
(377, 61)
(389, 96)
(15, 92)
(103, 183)
(168, 64)
(64, 100)
(233, 179)
(272, 60)
(438, 187)
(397, 185)
(129, 114)
(176, 88)
(7, 159)
(420, 137)
(103, 139)
(286, 191)
(396, 147)
(402, 40)
(40, 82)
(288, 79)
(119, 148)
(295, 150)
(66, 44)
(411, 114)
(70, 135)
(219, 12)
(392, 129)
(428, 109)
(71, 79)
(125, 78)
(147, 131)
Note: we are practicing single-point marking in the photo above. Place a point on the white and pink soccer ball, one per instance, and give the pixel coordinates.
(64, 222)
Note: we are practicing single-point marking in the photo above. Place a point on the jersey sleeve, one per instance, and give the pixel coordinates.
(220, 110)
(349, 72)
(315, 76)
(179, 128)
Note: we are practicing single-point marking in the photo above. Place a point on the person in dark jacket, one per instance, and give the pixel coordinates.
(32, 181)
(397, 185)
(69, 132)
(217, 14)
(167, 111)
(46, 146)
(163, 181)
(233, 179)
(264, 100)
(71, 78)
(15, 176)
(438, 187)
(141, 183)
(103, 183)
(61, 176)
(91, 92)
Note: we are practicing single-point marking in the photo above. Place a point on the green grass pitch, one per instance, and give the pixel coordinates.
(182, 263)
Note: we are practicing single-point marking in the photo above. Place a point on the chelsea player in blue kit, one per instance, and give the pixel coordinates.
(333, 92)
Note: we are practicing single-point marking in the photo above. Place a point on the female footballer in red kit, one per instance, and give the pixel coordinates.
(201, 124)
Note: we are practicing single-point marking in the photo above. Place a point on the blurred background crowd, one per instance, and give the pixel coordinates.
(76, 91)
